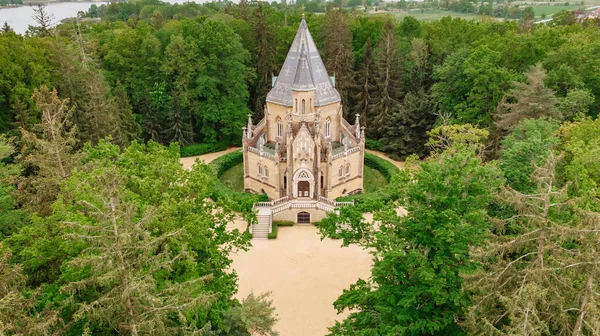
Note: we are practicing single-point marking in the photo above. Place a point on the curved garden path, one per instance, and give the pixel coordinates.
(188, 162)
(304, 273)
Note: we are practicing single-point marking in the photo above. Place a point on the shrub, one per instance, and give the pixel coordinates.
(203, 148)
(238, 201)
(386, 168)
(374, 144)
(273, 233)
(226, 162)
(283, 223)
(277, 224)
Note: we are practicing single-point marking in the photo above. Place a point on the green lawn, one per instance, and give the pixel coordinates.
(374, 180)
(549, 10)
(234, 179)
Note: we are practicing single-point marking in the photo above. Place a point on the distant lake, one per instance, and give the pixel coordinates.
(19, 18)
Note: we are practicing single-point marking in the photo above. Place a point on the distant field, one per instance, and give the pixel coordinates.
(436, 14)
(549, 10)
(427, 14)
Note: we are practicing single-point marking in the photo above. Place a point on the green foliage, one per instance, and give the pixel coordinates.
(255, 316)
(456, 136)
(374, 144)
(239, 201)
(525, 149)
(580, 141)
(416, 285)
(156, 200)
(203, 148)
(11, 217)
(386, 168)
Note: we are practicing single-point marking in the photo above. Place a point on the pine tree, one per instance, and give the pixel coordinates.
(527, 100)
(18, 314)
(338, 54)
(541, 267)
(44, 20)
(243, 9)
(6, 28)
(264, 52)
(364, 87)
(129, 264)
(49, 151)
(405, 133)
(388, 76)
(128, 129)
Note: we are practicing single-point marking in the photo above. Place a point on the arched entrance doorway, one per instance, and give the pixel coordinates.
(303, 189)
(303, 183)
(303, 217)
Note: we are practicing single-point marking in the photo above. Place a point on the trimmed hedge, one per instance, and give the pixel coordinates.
(202, 148)
(277, 224)
(226, 162)
(385, 167)
(374, 145)
(240, 201)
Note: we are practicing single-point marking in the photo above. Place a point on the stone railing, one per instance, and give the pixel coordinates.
(284, 203)
(349, 129)
(326, 200)
(280, 200)
(348, 152)
(262, 153)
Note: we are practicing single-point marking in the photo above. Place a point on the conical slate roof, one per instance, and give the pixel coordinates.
(303, 70)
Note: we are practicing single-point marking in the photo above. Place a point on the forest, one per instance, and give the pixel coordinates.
(103, 232)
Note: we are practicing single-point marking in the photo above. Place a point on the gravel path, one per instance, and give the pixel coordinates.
(188, 162)
(304, 273)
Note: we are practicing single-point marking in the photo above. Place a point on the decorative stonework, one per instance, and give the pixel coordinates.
(303, 138)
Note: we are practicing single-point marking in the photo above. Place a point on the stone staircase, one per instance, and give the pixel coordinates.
(266, 210)
(262, 229)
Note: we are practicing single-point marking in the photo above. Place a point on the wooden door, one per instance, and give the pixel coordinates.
(303, 189)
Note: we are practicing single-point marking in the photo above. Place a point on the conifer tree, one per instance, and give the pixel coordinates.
(337, 52)
(405, 133)
(364, 86)
(6, 28)
(128, 263)
(18, 314)
(541, 266)
(388, 76)
(527, 100)
(264, 52)
(44, 20)
(49, 151)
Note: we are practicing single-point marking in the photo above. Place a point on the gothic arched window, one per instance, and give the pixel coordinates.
(328, 127)
(259, 169)
(341, 171)
(348, 169)
(266, 171)
(279, 127)
(303, 106)
(296, 105)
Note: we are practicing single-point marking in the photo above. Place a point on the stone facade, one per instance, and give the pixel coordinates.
(303, 147)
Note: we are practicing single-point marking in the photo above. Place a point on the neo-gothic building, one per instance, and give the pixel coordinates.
(303, 148)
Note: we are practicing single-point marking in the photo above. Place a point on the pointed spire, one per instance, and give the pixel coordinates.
(303, 69)
(357, 126)
(249, 126)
